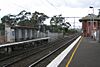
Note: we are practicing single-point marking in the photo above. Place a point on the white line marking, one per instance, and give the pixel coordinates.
(9, 44)
(61, 56)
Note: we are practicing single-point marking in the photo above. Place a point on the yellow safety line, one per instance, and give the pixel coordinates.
(73, 53)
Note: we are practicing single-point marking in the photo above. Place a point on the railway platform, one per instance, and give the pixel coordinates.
(86, 53)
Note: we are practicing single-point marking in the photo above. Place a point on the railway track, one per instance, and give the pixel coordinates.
(34, 56)
(44, 61)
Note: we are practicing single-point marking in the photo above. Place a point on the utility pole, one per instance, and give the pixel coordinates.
(74, 20)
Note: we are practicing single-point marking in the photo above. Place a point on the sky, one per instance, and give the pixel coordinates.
(68, 8)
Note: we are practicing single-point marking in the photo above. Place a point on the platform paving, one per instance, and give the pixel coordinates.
(87, 54)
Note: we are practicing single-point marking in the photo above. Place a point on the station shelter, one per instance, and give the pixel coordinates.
(91, 26)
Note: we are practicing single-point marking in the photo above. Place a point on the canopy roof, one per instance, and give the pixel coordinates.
(90, 17)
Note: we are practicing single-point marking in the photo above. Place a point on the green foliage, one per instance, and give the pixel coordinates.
(25, 23)
(36, 20)
(55, 23)
(72, 31)
(58, 25)
(25, 18)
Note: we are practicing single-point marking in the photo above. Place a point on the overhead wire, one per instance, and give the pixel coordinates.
(53, 5)
(20, 6)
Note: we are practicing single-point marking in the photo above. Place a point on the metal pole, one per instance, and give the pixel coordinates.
(92, 23)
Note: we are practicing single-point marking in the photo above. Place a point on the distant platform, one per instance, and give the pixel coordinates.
(9, 44)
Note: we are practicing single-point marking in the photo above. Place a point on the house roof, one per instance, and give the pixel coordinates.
(90, 17)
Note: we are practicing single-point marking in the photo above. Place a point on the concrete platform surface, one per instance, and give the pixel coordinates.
(86, 54)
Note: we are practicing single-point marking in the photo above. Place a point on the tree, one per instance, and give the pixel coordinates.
(19, 19)
(38, 19)
(34, 18)
(56, 23)
(65, 26)
(24, 20)
(9, 19)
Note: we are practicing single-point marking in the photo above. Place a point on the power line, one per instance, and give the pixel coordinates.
(52, 5)
(20, 6)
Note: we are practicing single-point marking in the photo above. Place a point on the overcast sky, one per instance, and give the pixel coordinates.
(68, 8)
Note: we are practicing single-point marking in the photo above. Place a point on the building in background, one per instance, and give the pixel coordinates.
(90, 26)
